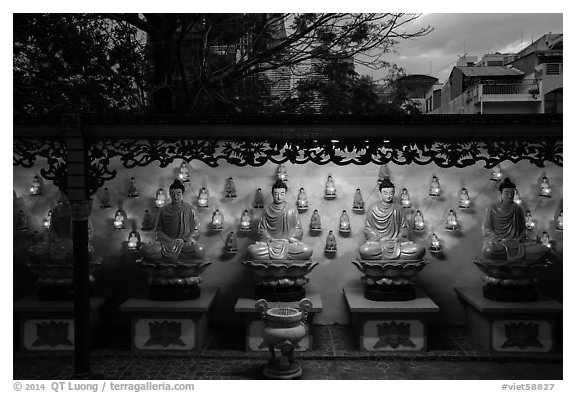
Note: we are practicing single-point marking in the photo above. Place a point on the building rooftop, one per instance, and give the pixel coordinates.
(490, 71)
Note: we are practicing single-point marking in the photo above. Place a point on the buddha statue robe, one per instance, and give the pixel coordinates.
(504, 230)
(177, 234)
(386, 234)
(280, 234)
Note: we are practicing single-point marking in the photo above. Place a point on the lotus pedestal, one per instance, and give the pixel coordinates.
(280, 280)
(177, 325)
(510, 280)
(512, 327)
(56, 280)
(173, 280)
(389, 280)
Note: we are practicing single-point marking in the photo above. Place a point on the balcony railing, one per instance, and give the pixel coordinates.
(529, 86)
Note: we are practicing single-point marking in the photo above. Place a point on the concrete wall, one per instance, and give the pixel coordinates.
(119, 279)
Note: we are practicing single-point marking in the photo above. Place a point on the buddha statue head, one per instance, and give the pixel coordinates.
(279, 190)
(177, 192)
(386, 189)
(506, 189)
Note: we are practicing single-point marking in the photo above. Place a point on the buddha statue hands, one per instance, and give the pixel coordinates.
(504, 230)
(386, 230)
(279, 230)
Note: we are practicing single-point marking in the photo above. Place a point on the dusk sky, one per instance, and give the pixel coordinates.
(475, 34)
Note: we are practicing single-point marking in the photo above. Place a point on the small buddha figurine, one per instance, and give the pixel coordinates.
(258, 199)
(545, 189)
(105, 199)
(435, 243)
(383, 173)
(133, 240)
(517, 198)
(464, 199)
(418, 221)
(451, 221)
(21, 221)
(202, 198)
(386, 230)
(496, 173)
(35, 189)
(545, 239)
(405, 199)
(504, 230)
(177, 230)
(132, 190)
(331, 245)
(245, 221)
(48, 219)
(530, 224)
(434, 187)
(345, 222)
(280, 232)
(119, 218)
(147, 221)
(282, 174)
(302, 200)
(231, 245)
(184, 174)
(315, 223)
(160, 198)
(230, 188)
(217, 220)
(560, 222)
(358, 202)
(330, 190)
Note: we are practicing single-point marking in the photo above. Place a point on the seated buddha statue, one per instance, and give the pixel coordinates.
(177, 230)
(504, 230)
(59, 246)
(386, 230)
(279, 231)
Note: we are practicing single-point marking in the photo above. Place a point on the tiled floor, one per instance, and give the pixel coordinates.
(451, 355)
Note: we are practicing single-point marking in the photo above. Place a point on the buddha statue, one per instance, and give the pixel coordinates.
(203, 197)
(358, 202)
(464, 199)
(58, 248)
(160, 198)
(105, 199)
(258, 199)
(231, 245)
(330, 189)
(302, 200)
(315, 221)
(504, 230)
(230, 188)
(279, 230)
(418, 221)
(560, 222)
(386, 230)
(331, 244)
(184, 172)
(132, 189)
(177, 230)
(434, 187)
(147, 221)
(451, 221)
(405, 199)
(245, 221)
(282, 173)
(345, 222)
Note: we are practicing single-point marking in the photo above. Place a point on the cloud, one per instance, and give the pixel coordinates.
(474, 34)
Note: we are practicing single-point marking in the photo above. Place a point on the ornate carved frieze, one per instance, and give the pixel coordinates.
(142, 152)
